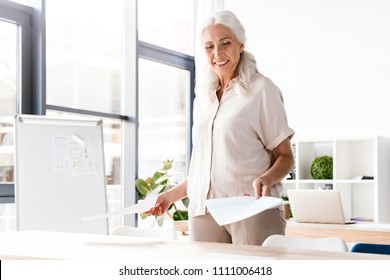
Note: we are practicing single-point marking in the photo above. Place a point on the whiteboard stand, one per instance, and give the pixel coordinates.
(59, 174)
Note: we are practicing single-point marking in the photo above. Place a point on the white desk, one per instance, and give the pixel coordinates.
(54, 245)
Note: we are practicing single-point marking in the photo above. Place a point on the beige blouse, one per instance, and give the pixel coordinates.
(233, 140)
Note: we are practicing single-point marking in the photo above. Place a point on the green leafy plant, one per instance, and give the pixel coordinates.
(159, 182)
(322, 168)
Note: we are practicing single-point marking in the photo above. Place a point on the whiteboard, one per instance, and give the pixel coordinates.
(59, 174)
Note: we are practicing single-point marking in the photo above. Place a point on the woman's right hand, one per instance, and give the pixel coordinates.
(161, 206)
(165, 199)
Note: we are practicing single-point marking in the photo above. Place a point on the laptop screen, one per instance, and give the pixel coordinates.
(316, 206)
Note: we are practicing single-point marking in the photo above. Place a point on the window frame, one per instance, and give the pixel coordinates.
(23, 17)
(33, 96)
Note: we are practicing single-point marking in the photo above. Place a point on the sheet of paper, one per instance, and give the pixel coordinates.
(71, 154)
(232, 209)
(139, 207)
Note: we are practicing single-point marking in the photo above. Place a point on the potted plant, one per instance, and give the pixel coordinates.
(159, 182)
(322, 168)
(287, 208)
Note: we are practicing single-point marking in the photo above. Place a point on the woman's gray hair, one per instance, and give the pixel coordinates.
(207, 81)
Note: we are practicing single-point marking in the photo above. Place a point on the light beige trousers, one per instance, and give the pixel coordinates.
(251, 231)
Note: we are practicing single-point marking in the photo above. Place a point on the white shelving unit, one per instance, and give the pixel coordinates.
(352, 159)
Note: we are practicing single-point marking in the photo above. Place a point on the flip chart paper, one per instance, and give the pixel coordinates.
(232, 209)
(142, 206)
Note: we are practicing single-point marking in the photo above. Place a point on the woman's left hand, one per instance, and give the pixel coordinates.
(261, 188)
(283, 162)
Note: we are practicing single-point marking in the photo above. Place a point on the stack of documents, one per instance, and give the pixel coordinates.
(232, 209)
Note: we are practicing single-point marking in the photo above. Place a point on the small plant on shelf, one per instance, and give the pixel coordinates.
(322, 168)
(159, 182)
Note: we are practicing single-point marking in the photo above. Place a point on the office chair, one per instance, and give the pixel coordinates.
(159, 233)
(336, 244)
(383, 249)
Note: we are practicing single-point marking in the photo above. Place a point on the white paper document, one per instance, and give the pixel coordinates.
(232, 209)
(140, 207)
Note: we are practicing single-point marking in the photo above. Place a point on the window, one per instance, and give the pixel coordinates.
(163, 124)
(8, 106)
(8, 71)
(80, 67)
(85, 76)
(165, 86)
(15, 94)
(168, 24)
(97, 75)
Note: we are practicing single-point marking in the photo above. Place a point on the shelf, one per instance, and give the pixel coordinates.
(353, 181)
(352, 159)
(313, 181)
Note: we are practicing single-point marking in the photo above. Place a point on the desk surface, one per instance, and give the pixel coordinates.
(55, 245)
(353, 233)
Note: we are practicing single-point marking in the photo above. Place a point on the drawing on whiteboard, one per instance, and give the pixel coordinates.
(71, 154)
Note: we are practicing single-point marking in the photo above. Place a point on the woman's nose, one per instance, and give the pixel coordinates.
(218, 51)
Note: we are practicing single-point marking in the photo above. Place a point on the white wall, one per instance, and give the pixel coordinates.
(331, 58)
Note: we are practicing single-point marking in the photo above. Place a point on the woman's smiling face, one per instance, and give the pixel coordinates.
(222, 50)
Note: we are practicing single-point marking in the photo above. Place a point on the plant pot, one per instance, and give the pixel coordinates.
(181, 226)
(287, 209)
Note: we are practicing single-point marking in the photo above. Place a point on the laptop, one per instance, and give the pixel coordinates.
(317, 206)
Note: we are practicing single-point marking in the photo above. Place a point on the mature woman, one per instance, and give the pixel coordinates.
(241, 138)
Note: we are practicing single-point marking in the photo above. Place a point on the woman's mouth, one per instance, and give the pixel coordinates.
(219, 63)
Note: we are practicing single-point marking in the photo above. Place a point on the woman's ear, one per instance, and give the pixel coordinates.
(241, 48)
